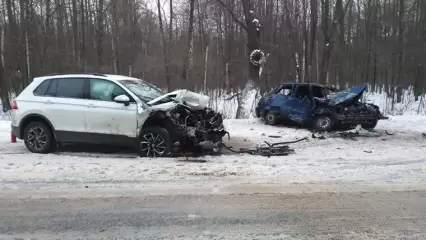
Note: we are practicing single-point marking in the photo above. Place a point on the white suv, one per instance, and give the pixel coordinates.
(112, 109)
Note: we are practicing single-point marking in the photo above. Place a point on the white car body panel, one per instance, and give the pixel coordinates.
(111, 118)
(64, 114)
(193, 100)
(79, 115)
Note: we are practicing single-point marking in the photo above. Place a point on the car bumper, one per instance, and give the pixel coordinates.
(357, 118)
(16, 131)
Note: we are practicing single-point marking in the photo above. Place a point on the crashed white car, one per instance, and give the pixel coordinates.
(112, 109)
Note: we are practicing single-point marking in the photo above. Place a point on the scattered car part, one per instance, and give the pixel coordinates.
(274, 136)
(274, 149)
(352, 134)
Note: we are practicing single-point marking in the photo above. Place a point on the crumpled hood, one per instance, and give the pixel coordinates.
(349, 94)
(190, 99)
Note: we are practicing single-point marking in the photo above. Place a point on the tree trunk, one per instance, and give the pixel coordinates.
(188, 61)
(400, 75)
(205, 68)
(253, 38)
(163, 38)
(100, 33)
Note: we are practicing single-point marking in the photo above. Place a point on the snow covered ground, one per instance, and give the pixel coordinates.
(386, 160)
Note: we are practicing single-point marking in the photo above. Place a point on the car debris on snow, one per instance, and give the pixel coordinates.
(268, 149)
(350, 134)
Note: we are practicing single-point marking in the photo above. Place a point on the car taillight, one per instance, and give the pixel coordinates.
(14, 105)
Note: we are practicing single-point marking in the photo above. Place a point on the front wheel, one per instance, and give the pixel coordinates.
(155, 142)
(370, 124)
(323, 123)
(271, 118)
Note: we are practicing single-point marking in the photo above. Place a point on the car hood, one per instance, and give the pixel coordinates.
(190, 99)
(349, 94)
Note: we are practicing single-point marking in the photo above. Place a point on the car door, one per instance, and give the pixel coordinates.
(300, 105)
(106, 119)
(285, 98)
(280, 98)
(64, 106)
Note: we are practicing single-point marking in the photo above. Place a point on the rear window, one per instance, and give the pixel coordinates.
(51, 91)
(42, 88)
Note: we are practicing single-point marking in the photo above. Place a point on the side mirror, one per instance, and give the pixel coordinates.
(122, 99)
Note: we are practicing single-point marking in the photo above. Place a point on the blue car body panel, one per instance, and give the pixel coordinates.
(287, 106)
(301, 110)
(347, 94)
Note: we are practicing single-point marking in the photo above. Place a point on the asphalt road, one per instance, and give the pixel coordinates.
(378, 215)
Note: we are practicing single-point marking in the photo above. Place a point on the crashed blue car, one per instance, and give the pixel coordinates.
(318, 107)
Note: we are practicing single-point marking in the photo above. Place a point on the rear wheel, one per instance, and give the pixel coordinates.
(323, 123)
(370, 125)
(271, 118)
(155, 142)
(38, 138)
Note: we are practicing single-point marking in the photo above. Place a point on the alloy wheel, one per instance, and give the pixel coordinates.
(153, 144)
(324, 122)
(37, 138)
(270, 118)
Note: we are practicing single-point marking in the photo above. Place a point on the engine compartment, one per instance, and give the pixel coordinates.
(198, 125)
(357, 111)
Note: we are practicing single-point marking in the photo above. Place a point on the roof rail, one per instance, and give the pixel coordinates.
(71, 73)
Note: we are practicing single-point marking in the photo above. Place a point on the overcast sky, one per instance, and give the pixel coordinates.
(152, 4)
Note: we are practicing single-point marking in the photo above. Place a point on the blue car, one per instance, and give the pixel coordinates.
(318, 107)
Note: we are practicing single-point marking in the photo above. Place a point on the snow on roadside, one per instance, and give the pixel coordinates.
(376, 160)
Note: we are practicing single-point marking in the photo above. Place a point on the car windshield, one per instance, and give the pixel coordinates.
(143, 90)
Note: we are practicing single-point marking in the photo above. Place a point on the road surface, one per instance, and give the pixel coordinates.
(356, 215)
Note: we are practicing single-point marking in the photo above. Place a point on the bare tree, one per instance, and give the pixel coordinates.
(163, 37)
(339, 42)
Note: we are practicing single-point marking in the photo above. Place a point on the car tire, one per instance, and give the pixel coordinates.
(323, 123)
(271, 118)
(38, 138)
(154, 142)
(370, 125)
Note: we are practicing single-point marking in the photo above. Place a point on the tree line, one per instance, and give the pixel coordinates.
(206, 44)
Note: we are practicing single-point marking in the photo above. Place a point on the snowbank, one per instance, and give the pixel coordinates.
(227, 104)
(407, 106)
(4, 115)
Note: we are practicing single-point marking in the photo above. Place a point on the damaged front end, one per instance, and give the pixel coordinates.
(187, 119)
(358, 113)
(196, 126)
(347, 108)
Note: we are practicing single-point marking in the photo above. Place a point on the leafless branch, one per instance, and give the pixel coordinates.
(236, 19)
